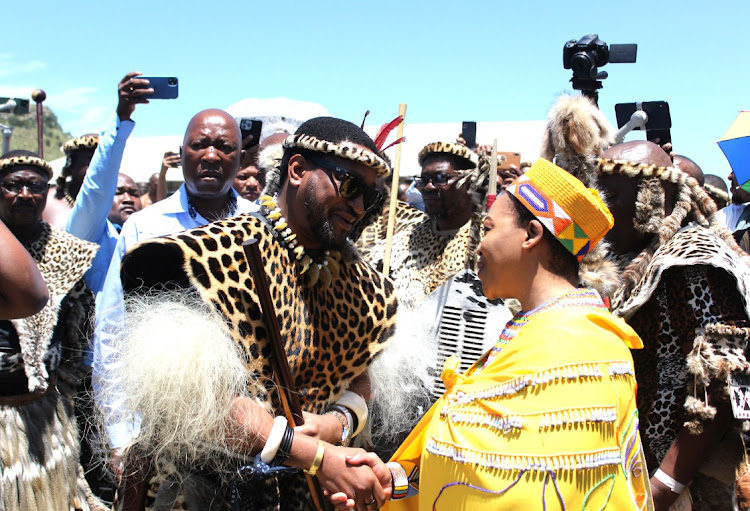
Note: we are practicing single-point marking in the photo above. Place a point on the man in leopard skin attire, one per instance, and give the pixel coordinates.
(335, 313)
(684, 289)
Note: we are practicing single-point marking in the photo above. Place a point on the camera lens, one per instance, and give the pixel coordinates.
(172, 81)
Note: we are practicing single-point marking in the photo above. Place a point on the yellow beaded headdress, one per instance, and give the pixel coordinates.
(574, 214)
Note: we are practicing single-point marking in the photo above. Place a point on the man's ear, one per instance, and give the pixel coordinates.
(296, 169)
(534, 234)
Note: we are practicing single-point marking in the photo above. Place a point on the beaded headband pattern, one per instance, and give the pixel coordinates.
(344, 149)
(574, 214)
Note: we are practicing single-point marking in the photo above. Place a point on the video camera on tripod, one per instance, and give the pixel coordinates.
(587, 55)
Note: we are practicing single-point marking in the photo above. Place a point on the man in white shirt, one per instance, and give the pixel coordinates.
(211, 156)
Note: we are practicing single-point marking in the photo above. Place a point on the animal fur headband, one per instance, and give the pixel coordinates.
(717, 193)
(344, 149)
(85, 142)
(459, 150)
(34, 161)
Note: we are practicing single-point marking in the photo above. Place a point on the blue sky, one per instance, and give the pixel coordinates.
(449, 61)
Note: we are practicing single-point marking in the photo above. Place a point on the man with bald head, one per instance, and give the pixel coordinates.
(210, 155)
(684, 290)
(689, 167)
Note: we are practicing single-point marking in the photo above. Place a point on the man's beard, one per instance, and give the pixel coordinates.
(321, 225)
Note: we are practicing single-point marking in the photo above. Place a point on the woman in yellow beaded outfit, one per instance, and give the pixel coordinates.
(547, 419)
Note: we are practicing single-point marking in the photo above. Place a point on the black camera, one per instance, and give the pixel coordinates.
(172, 81)
(588, 54)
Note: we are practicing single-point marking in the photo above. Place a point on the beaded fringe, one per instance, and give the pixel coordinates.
(573, 416)
(573, 461)
(562, 374)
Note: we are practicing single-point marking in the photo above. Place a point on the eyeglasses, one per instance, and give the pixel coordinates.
(351, 186)
(34, 187)
(439, 180)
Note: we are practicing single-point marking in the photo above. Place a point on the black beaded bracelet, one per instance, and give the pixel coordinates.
(285, 448)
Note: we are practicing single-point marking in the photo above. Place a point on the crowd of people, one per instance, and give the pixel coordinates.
(260, 338)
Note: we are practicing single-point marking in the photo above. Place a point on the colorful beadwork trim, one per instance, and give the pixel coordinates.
(582, 297)
(400, 480)
(490, 460)
(551, 215)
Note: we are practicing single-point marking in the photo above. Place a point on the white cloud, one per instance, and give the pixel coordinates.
(79, 110)
(16, 91)
(9, 66)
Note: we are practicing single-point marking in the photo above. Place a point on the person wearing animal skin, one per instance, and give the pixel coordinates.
(78, 152)
(685, 291)
(716, 188)
(40, 355)
(210, 158)
(429, 250)
(336, 313)
(509, 433)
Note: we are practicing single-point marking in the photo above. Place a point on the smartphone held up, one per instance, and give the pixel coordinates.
(165, 87)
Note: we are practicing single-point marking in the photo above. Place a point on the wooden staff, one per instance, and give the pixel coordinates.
(394, 195)
(39, 96)
(282, 374)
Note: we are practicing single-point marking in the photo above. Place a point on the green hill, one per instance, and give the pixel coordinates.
(24, 132)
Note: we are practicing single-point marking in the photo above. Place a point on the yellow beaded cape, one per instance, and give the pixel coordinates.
(550, 423)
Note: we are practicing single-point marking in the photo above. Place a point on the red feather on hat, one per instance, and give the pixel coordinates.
(385, 130)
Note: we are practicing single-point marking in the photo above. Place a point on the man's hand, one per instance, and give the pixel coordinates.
(366, 487)
(324, 427)
(131, 91)
(663, 496)
(170, 161)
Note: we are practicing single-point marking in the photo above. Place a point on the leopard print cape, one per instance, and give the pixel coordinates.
(691, 308)
(421, 258)
(62, 259)
(331, 334)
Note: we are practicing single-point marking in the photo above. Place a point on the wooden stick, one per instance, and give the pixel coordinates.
(39, 96)
(492, 188)
(282, 373)
(394, 195)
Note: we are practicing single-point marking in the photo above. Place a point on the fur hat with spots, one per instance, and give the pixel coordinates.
(90, 141)
(18, 158)
(469, 158)
(340, 138)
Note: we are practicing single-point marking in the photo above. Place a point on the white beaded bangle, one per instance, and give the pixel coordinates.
(274, 439)
(357, 405)
(671, 483)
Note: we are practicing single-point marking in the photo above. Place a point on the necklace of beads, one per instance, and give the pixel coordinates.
(320, 270)
(69, 199)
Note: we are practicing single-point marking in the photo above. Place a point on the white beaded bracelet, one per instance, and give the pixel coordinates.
(274, 439)
(357, 405)
(671, 483)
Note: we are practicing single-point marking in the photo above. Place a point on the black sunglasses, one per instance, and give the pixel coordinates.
(34, 187)
(351, 186)
(438, 180)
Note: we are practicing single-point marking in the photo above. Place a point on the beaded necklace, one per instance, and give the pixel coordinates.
(581, 297)
(71, 201)
(321, 269)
